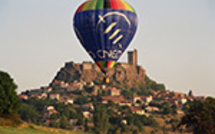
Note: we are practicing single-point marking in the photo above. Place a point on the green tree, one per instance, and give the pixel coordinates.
(39, 104)
(55, 116)
(128, 94)
(54, 124)
(166, 108)
(200, 117)
(63, 122)
(29, 113)
(130, 119)
(72, 114)
(9, 101)
(101, 119)
(125, 129)
(139, 124)
(80, 117)
(81, 100)
(86, 127)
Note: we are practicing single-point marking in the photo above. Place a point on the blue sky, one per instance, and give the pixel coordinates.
(175, 40)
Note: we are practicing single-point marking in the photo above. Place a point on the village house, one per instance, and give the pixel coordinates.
(54, 96)
(182, 100)
(137, 110)
(88, 106)
(136, 98)
(180, 112)
(147, 99)
(69, 101)
(75, 86)
(23, 97)
(53, 112)
(46, 89)
(49, 110)
(173, 100)
(117, 100)
(112, 91)
(176, 100)
(142, 99)
(91, 84)
(152, 109)
(40, 96)
(103, 87)
(61, 83)
(95, 90)
(87, 114)
(124, 122)
(125, 102)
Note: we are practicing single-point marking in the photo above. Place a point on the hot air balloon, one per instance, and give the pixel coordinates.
(105, 28)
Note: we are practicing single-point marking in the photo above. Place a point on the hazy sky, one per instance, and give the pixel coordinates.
(175, 41)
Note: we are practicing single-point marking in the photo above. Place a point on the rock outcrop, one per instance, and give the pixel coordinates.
(122, 74)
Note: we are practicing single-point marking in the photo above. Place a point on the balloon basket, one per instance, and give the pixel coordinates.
(106, 80)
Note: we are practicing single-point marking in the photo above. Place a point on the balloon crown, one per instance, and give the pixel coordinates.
(105, 4)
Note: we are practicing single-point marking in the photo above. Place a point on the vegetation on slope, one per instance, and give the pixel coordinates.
(200, 117)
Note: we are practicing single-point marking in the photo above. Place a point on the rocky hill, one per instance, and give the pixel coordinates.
(123, 75)
(131, 94)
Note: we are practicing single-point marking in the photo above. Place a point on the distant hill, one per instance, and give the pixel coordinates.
(122, 75)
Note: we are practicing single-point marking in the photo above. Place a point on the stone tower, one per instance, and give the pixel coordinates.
(132, 57)
(191, 93)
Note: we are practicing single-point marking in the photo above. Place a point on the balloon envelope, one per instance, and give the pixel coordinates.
(105, 28)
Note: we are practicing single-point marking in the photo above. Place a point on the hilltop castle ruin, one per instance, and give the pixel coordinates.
(132, 57)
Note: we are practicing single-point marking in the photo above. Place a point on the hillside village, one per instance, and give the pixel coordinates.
(82, 94)
(113, 94)
(148, 105)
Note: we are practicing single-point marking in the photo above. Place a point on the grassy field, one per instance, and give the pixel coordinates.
(32, 129)
(26, 128)
(10, 130)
